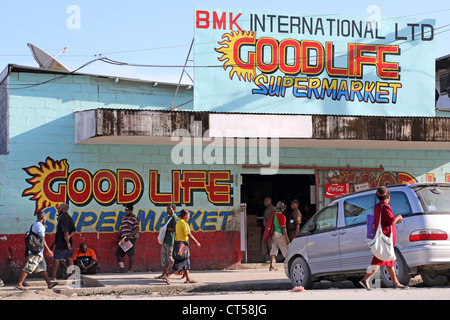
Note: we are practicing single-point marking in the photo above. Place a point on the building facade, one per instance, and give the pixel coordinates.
(98, 143)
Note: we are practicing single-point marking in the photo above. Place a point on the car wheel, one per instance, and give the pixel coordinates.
(401, 271)
(434, 280)
(300, 273)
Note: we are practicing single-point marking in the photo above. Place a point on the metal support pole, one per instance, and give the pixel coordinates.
(181, 77)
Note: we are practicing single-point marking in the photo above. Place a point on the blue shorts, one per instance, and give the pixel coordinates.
(62, 255)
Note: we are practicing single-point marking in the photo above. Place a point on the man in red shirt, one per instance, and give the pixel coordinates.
(129, 229)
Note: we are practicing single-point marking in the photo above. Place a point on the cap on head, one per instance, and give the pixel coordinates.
(63, 206)
(129, 207)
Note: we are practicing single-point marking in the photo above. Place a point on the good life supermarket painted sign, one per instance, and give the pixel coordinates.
(278, 62)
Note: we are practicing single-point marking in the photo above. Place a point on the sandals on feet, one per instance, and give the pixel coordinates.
(166, 280)
(191, 281)
(22, 288)
(365, 285)
(52, 285)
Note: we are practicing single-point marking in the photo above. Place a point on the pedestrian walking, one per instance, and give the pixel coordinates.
(169, 239)
(65, 230)
(265, 246)
(388, 221)
(128, 233)
(276, 234)
(36, 262)
(181, 252)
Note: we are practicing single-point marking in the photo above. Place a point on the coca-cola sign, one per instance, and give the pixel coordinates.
(333, 190)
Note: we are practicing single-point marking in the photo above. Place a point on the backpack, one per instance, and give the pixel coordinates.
(34, 242)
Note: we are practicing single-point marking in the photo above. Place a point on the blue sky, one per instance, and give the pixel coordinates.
(110, 27)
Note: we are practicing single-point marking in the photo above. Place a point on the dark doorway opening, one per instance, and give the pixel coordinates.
(281, 187)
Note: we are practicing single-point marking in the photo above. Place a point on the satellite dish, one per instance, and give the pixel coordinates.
(45, 60)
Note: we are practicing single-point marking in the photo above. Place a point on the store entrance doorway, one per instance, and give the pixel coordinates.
(281, 187)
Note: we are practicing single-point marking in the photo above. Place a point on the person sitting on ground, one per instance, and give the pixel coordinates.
(86, 259)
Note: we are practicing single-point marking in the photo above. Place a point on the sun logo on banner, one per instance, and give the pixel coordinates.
(230, 54)
(44, 177)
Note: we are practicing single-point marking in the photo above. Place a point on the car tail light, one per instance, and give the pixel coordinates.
(428, 234)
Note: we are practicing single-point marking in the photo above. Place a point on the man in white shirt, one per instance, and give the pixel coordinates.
(36, 262)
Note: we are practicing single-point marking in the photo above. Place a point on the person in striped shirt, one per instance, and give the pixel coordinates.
(129, 229)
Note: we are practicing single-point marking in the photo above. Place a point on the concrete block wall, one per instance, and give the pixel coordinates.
(42, 127)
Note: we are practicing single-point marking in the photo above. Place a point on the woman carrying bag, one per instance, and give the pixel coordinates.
(181, 253)
(276, 235)
(383, 214)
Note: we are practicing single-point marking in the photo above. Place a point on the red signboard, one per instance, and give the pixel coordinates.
(333, 190)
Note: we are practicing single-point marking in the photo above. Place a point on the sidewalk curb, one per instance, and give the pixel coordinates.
(254, 277)
(176, 288)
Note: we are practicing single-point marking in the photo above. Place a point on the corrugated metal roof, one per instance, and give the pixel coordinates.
(272, 113)
(28, 69)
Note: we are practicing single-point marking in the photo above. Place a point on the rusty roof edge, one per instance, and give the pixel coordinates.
(157, 123)
(269, 113)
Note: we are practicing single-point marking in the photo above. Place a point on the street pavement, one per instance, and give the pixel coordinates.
(251, 277)
(252, 281)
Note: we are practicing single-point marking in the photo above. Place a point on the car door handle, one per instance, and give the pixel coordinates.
(334, 234)
(343, 232)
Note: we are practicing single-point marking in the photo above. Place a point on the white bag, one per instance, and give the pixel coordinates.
(162, 232)
(381, 245)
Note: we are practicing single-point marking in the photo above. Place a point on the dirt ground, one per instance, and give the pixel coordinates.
(44, 294)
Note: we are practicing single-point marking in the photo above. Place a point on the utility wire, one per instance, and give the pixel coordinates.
(210, 21)
(103, 58)
(121, 63)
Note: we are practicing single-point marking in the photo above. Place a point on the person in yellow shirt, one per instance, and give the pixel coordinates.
(181, 252)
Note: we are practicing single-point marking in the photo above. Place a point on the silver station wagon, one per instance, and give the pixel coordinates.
(332, 245)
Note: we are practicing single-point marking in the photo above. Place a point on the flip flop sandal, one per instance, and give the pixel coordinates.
(54, 284)
(21, 288)
(192, 281)
(365, 285)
